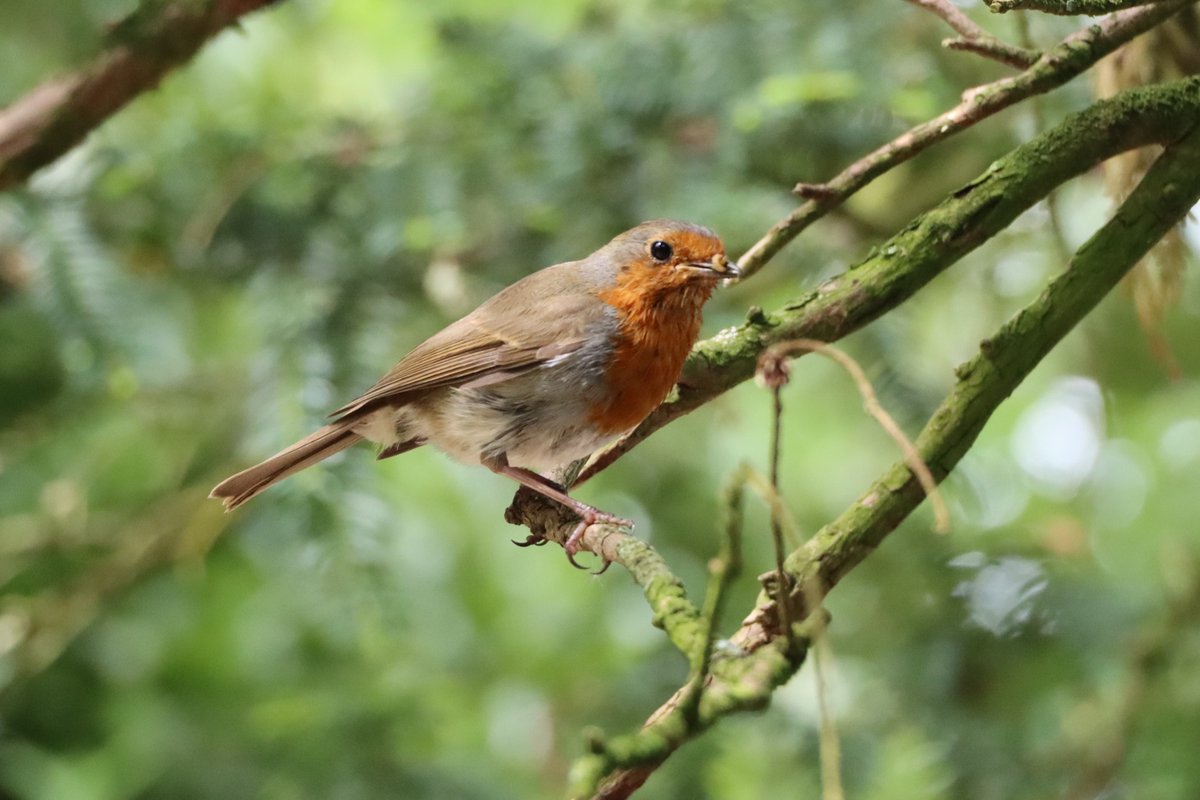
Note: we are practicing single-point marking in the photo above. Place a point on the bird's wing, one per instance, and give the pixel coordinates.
(484, 347)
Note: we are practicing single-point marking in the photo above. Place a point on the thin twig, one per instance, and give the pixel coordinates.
(831, 746)
(976, 39)
(673, 611)
(773, 373)
(1069, 58)
(994, 49)
(722, 571)
(954, 17)
(780, 352)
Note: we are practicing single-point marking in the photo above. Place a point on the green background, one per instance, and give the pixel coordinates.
(252, 244)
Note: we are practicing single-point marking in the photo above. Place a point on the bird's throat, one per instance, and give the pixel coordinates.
(658, 326)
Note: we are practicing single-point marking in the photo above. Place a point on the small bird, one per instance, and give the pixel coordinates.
(544, 373)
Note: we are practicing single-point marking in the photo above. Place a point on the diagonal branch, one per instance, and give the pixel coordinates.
(1068, 59)
(57, 115)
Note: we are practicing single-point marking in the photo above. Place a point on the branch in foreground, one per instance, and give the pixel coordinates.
(1166, 194)
(1066, 8)
(1069, 58)
(976, 39)
(140, 50)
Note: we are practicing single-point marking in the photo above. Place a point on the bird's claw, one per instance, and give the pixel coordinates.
(573, 543)
(532, 540)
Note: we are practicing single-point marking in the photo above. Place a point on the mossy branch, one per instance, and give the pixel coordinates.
(139, 50)
(760, 658)
(1091, 8)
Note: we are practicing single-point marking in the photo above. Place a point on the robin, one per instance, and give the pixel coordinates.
(544, 373)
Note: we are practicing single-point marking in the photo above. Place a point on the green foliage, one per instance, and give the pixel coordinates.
(247, 247)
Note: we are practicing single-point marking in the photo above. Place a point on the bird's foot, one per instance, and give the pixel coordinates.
(591, 516)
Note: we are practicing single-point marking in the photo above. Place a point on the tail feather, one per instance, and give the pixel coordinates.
(320, 445)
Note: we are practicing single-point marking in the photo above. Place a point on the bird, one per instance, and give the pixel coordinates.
(544, 373)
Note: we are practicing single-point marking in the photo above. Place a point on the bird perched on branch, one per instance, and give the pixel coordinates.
(547, 371)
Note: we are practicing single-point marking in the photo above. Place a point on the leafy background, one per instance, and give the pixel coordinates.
(253, 243)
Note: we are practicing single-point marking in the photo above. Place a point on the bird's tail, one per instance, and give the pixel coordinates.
(320, 445)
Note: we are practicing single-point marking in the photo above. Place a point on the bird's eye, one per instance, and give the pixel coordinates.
(660, 251)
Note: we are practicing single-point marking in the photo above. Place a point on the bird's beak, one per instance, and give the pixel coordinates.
(720, 265)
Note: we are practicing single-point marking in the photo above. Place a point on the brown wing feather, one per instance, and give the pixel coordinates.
(505, 337)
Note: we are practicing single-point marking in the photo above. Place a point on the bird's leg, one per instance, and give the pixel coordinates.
(588, 515)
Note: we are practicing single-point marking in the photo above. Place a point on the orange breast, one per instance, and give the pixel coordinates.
(659, 324)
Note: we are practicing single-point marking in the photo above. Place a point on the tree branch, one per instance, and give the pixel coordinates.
(1166, 194)
(142, 48)
(994, 49)
(1066, 8)
(974, 38)
(1069, 58)
(673, 611)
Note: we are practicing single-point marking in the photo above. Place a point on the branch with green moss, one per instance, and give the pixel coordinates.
(1164, 114)
(1067, 8)
(139, 50)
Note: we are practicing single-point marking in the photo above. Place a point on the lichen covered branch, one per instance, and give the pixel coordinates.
(1068, 8)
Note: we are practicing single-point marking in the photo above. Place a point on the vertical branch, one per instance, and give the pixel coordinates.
(831, 746)
(774, 373)
(723, 569)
